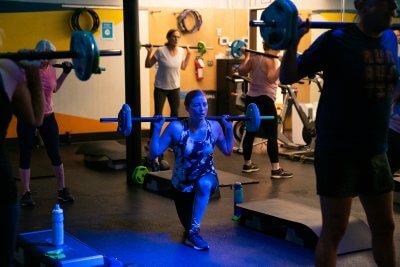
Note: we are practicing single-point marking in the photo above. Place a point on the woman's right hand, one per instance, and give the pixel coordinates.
(149, 48)
(227, 124)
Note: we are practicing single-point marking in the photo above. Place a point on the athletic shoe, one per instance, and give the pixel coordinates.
(280, 173)
(27, 200)
(65, 196)
(196, 241)
(250, 168)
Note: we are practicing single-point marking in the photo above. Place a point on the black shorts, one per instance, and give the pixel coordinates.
(348, 174)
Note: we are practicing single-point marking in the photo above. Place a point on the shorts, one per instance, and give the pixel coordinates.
(348, 174)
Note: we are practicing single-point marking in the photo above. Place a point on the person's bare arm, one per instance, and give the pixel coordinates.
(185, 62)
(160, 142)
(224, 140)
(28, 96)
(67, 67)
(150, 59)
(288, 71)
(246, 65)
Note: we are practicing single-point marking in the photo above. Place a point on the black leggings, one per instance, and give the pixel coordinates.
(49, 133)
(173, 99)
(184, 207)
(268, 128)
(159, 100)
(185, 202)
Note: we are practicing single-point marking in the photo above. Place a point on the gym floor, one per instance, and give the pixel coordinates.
(141, 228)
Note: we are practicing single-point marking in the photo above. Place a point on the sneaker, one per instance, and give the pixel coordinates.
(65, 196)
(280, 173)
(196, 241)
(250, 168)
(27, 200)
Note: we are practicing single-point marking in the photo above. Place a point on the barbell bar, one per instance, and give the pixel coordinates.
(201, 47)
(62, 66)
(83, 51)
(252, 119)
(279, 24)
(237, 50)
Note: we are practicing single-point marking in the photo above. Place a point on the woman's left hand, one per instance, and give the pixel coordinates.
(159, 122)
(67, 67)
(187, 49)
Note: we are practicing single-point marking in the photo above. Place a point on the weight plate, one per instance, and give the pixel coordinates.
(83, 45)
(235, 48)
(125, 120)
(253, 124)
(283, 15)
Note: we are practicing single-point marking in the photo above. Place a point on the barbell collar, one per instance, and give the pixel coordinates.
(34, 55)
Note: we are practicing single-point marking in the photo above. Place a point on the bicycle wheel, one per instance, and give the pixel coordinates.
(238, 130)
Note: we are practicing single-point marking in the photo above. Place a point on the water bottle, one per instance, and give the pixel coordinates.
(58, 226)
(237, 198)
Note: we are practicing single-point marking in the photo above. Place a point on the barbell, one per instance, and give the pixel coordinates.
(252, 119)
(201, 47)
(62, 66)
(279, 24)
(83, 51)
(237, 50)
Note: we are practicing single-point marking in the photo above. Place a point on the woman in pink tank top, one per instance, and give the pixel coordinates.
(264, 72)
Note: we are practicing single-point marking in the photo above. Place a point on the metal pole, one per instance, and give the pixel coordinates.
(132, 83)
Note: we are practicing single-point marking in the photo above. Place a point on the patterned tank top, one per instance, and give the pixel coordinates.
(193, 159)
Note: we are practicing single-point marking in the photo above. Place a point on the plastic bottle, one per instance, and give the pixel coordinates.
(237, 198)
(58, 226)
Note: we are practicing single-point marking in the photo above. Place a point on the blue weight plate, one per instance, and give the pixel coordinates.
(253, 124)
(283, 13)
(84, 46)
(125, 120)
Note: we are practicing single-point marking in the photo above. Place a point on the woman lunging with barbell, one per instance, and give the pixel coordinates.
(194, 176)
